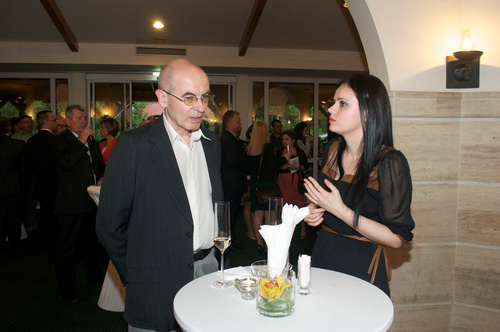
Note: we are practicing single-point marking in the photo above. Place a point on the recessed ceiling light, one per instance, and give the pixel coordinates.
(158, 25)
(345, 4)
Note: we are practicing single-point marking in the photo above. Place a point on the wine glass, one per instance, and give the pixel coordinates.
(222, 239)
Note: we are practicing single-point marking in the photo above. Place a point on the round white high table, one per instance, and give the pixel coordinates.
(337, 302)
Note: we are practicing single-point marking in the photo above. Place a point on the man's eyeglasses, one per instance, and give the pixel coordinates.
(192, 100)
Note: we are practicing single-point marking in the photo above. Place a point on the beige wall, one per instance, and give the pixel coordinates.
(448, 279)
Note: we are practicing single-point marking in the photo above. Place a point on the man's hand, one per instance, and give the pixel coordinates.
(84, 136)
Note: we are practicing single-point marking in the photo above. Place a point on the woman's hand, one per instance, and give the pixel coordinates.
(286, 154)
(330, 201)
(315, 216)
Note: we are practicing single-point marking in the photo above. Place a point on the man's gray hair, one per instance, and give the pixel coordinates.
(42, 117)
(228, 116)
(70, 108)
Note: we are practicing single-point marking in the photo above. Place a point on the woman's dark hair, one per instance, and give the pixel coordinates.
(376, 119)
(299, 130)
(111, 125)
(292, 135)
(248, 134)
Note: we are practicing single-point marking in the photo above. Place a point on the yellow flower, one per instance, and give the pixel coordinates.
(272, 289)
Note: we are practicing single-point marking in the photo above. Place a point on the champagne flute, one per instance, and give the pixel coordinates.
(222, 239)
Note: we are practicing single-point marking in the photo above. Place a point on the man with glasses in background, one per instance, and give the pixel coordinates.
(156, 217)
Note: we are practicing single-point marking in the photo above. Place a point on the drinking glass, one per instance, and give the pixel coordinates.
(222, 239)
(275, 209)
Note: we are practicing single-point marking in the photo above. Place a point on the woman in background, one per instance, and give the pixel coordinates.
(109, 129)
(301, 131)
(262, 175)
(291, 174)
(363, 195)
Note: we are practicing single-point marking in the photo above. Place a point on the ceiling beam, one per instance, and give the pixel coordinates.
(258, 8)
(57, 17)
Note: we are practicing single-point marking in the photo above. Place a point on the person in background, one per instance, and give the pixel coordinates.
(29, 220)
(79, 165)
(156, 208)
(14, 126)
(262, 165)
(61, 125)
(233, 171)
(303, 139)
(109, 129)
(275, 137)
(40, 164)
(363, 194)
(247, 209)
(291, 174)
(12, 174)
(26, 126)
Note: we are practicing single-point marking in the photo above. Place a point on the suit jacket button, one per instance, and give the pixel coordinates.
(189, 235)
(190, 266)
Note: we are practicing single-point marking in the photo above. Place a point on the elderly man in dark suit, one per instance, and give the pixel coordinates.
(79, 164)
(156, 217)
(234, 177)
(40, 164)
(11, 180)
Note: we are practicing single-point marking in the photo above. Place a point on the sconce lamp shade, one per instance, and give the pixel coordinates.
(467, 55)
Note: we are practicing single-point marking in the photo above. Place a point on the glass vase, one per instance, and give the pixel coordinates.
(276, 295)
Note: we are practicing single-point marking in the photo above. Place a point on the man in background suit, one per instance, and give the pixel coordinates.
(79, 165)
(40, 164)
(11, 180)
(156, 217)
(234, 177)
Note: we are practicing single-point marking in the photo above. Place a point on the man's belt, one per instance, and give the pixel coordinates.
(201, 253)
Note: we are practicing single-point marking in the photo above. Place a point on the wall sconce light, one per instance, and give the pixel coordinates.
(462, 68)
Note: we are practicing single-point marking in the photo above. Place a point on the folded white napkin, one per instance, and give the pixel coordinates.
(236, 272)
(278, 237)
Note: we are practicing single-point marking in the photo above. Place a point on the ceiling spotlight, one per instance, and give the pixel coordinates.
(345, 4)
(158, 25)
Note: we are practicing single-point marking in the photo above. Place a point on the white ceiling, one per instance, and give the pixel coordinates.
(284, 24)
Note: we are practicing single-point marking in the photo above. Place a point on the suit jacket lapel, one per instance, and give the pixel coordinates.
(164, 158)
(209, 157)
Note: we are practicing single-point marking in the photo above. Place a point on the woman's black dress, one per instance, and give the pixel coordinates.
(268, 175)
(387, 201)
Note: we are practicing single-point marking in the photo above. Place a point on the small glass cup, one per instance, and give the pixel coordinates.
(248, 286)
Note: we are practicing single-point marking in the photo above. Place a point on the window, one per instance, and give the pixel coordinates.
(292, 101)
(28, 94)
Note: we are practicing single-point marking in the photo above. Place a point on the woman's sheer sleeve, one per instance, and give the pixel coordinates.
(395, 187)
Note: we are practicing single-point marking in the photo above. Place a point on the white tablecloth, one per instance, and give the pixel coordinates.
(112, 297)
(337, 302)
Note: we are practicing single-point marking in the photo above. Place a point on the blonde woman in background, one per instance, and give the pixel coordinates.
(258, 147)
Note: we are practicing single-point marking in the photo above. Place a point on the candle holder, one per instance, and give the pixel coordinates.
(247, 286)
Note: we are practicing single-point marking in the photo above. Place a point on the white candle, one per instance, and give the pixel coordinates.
(304, 270)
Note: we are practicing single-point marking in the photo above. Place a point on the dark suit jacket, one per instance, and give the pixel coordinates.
(234, 176)
(40, 163)
(145, 224)
(11, 165)
(75, 173)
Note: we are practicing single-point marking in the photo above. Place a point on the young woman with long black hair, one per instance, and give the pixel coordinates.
(363, 194)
